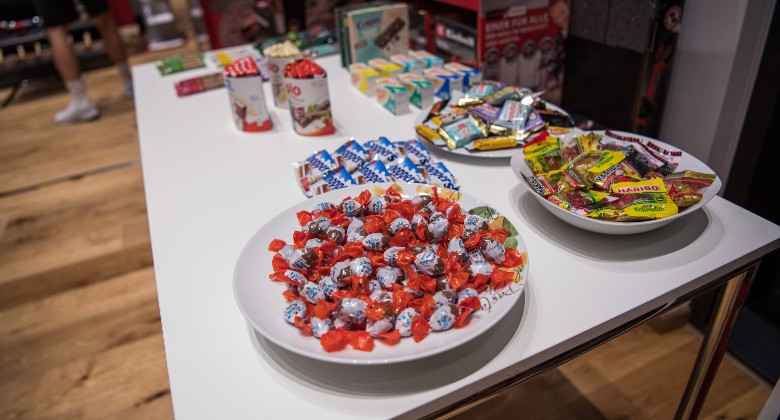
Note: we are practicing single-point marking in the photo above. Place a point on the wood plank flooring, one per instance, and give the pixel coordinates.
(80, 331)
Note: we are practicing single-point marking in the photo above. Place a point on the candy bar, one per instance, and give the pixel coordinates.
(372, 172)
(382, 149)
(314, 168)
(364, 78)
(438, 174)
(415, 151)
(351, 155)
(389, 33)
(464, 131)
(199, 84)
(406, 171)
(486, 112)
(483, 89)
(179, 63)
(392, 95)
(493, 143)
(498, 97)
(336, 180)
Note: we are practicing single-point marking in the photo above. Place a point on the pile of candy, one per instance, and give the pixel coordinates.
(375, 161)
(489, 116)
(612, 177)
(381, 266)
(242, 67)
(303, 69)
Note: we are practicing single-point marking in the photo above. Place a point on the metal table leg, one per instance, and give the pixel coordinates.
(732, 296)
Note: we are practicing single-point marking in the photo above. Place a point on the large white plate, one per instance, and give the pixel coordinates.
(687, 162)
(491, 154)
(262, 304)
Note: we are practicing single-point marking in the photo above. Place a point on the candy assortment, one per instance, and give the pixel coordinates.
(308, 97)
(374, 161)
(278, 56)
(612, 177)
(489, 116)
(245, 92)
(383, 266)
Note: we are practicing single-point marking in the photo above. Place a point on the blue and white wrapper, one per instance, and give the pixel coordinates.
(382, 149)
(312, 292)
(295, 308)
(351, 155)
(404, 321)
(438, 174)
(373, 172)
(415, 151)
(406, 171)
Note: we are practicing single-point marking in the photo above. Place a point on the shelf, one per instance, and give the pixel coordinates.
(472, 5)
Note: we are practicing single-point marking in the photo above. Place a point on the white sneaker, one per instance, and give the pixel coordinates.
(77, 111)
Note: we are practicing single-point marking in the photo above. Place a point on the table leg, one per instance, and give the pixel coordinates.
(732, 296)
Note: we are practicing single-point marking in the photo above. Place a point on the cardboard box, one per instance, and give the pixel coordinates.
(421, 90)
(364, 78)
(392, 95)
(378, 32)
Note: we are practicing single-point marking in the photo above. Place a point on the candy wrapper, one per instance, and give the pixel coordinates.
(179, 63)
(686, 187)
(336, 180)
(406, 171)
(461, 132)
(408, 64)
(557, 182)
(438, 174)
(445, 82)
(382, 149)
(373, 172)
(246, 95)
(392, 95)
(544, 156)
(279, 56)
(517, 119)
(643, 200)
(199, 84)
(483, 89)
(386, 68)
(415, 151)
(644, 155)
(351, 155)
(421, 90)
(469, 74)
(427, 59)
(313, 169)
(493, 143)
(308, 97)
(364, 78)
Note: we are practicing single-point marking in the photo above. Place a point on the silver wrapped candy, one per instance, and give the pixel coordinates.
(320, 326)
(374, 285)
(340, 273)
(437, 229)
(398, 224)
(379, 327)
(361, 267)
(417, 220)
(429, 263)
(356, 235)
(457, 246)
(375, 241)
(351, 309)
(387, 276)
(377, 205)
(445, 297)
(404, 321)
(312, 292)
(350, 207)
(443, 317)
(296, 308)
(354, 225)
(492, 249)
(342, 323)
(466, 293)
(296, 277)
(287, 251)
(328, 287)
(480, 268)
(336, 234)
(476, 257)
(317, 227)
(382, 296)
(391, 255)
(302, 258)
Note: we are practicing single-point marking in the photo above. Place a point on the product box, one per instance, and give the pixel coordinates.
(421, 90)
(342, 27)
(470, 75)
(364, 78)
(392, 95)
(427, 59)
(386, 68)
(378, 32)
(444, 81)
(409, 64)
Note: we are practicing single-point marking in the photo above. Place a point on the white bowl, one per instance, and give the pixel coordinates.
(687, 162)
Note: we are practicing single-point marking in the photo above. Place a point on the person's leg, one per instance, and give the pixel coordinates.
(113, 44)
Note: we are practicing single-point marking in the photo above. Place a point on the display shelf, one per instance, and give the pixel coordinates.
(472, 5)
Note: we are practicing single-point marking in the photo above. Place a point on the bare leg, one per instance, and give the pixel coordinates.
(116, 50)
(64, 59)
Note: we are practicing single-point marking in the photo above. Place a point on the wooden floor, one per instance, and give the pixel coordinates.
(79, 324)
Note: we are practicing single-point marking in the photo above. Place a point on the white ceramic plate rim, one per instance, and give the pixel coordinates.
(253, 289)
(490, 154)
(519, 167)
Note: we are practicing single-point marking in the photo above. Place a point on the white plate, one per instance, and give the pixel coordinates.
(262, 304)
(492, 154)
(687, 162)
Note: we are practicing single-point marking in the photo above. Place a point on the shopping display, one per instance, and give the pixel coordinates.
(385, 266)
(308, 98)
(374, 161)
(247, 98)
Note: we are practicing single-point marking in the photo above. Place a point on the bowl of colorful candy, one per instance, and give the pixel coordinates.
(612, 182)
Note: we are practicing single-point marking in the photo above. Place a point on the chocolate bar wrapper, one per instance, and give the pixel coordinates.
(406, 171)
(312, 170)
(178, 63)
(246, 97)
(351, 155)
(373, 172)
(414, 150)
(438, 174)
(364, 78)
(644, 155)
(430, 135)
(386, 68)
(486, 112)
(500, 96)
(493, 143)
(382, 149)
(461, 132)
(335, 181)
(199, 84)
(392, 95)
(421, 90)
(470, 75)
(445, 82)
(410, 65)
(428, 60)
(483, 89)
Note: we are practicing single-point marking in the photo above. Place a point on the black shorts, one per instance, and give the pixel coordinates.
(63, 12)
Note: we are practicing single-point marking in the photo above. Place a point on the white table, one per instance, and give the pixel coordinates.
(209, 187)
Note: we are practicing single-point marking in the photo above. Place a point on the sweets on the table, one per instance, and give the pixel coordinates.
(386, 68)
(308, 98)
(364, 78)
(382, 267)
(470, 74)
(246, 95)
(178, 63)
(421, 90)
(392, 95)
(199, 84)
(278, 56)
(410, 65)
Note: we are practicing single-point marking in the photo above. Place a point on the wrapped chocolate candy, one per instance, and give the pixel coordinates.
(429, 263)
(391, 255)
(467, 293)
(382, 149)
(315, 242)
(480, 268)
(312, 292)
(461, 132)
(322, 207)
(443, 283)
(317, 228)
(356, 236)
(351, 309)
(379, 327)
(340, 273)
(443, 318)
(350, 207)
(456, 245)
(376, 241)
(320, 326)
(295, 309)
(377, 205)
(404, 321)
(361, 267)
(351, 155)
(398, 224)
(406, 171)
(492, 249)
(295, 276)
(382, 296)
(357, 224)
(302, 258)
(287, 251)
(388, 276)
(336, 234)
(328, 286)
(474, 223)
(374, 285)
(437, 229)
(445, 297)
(373, 172)
(476, 256)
